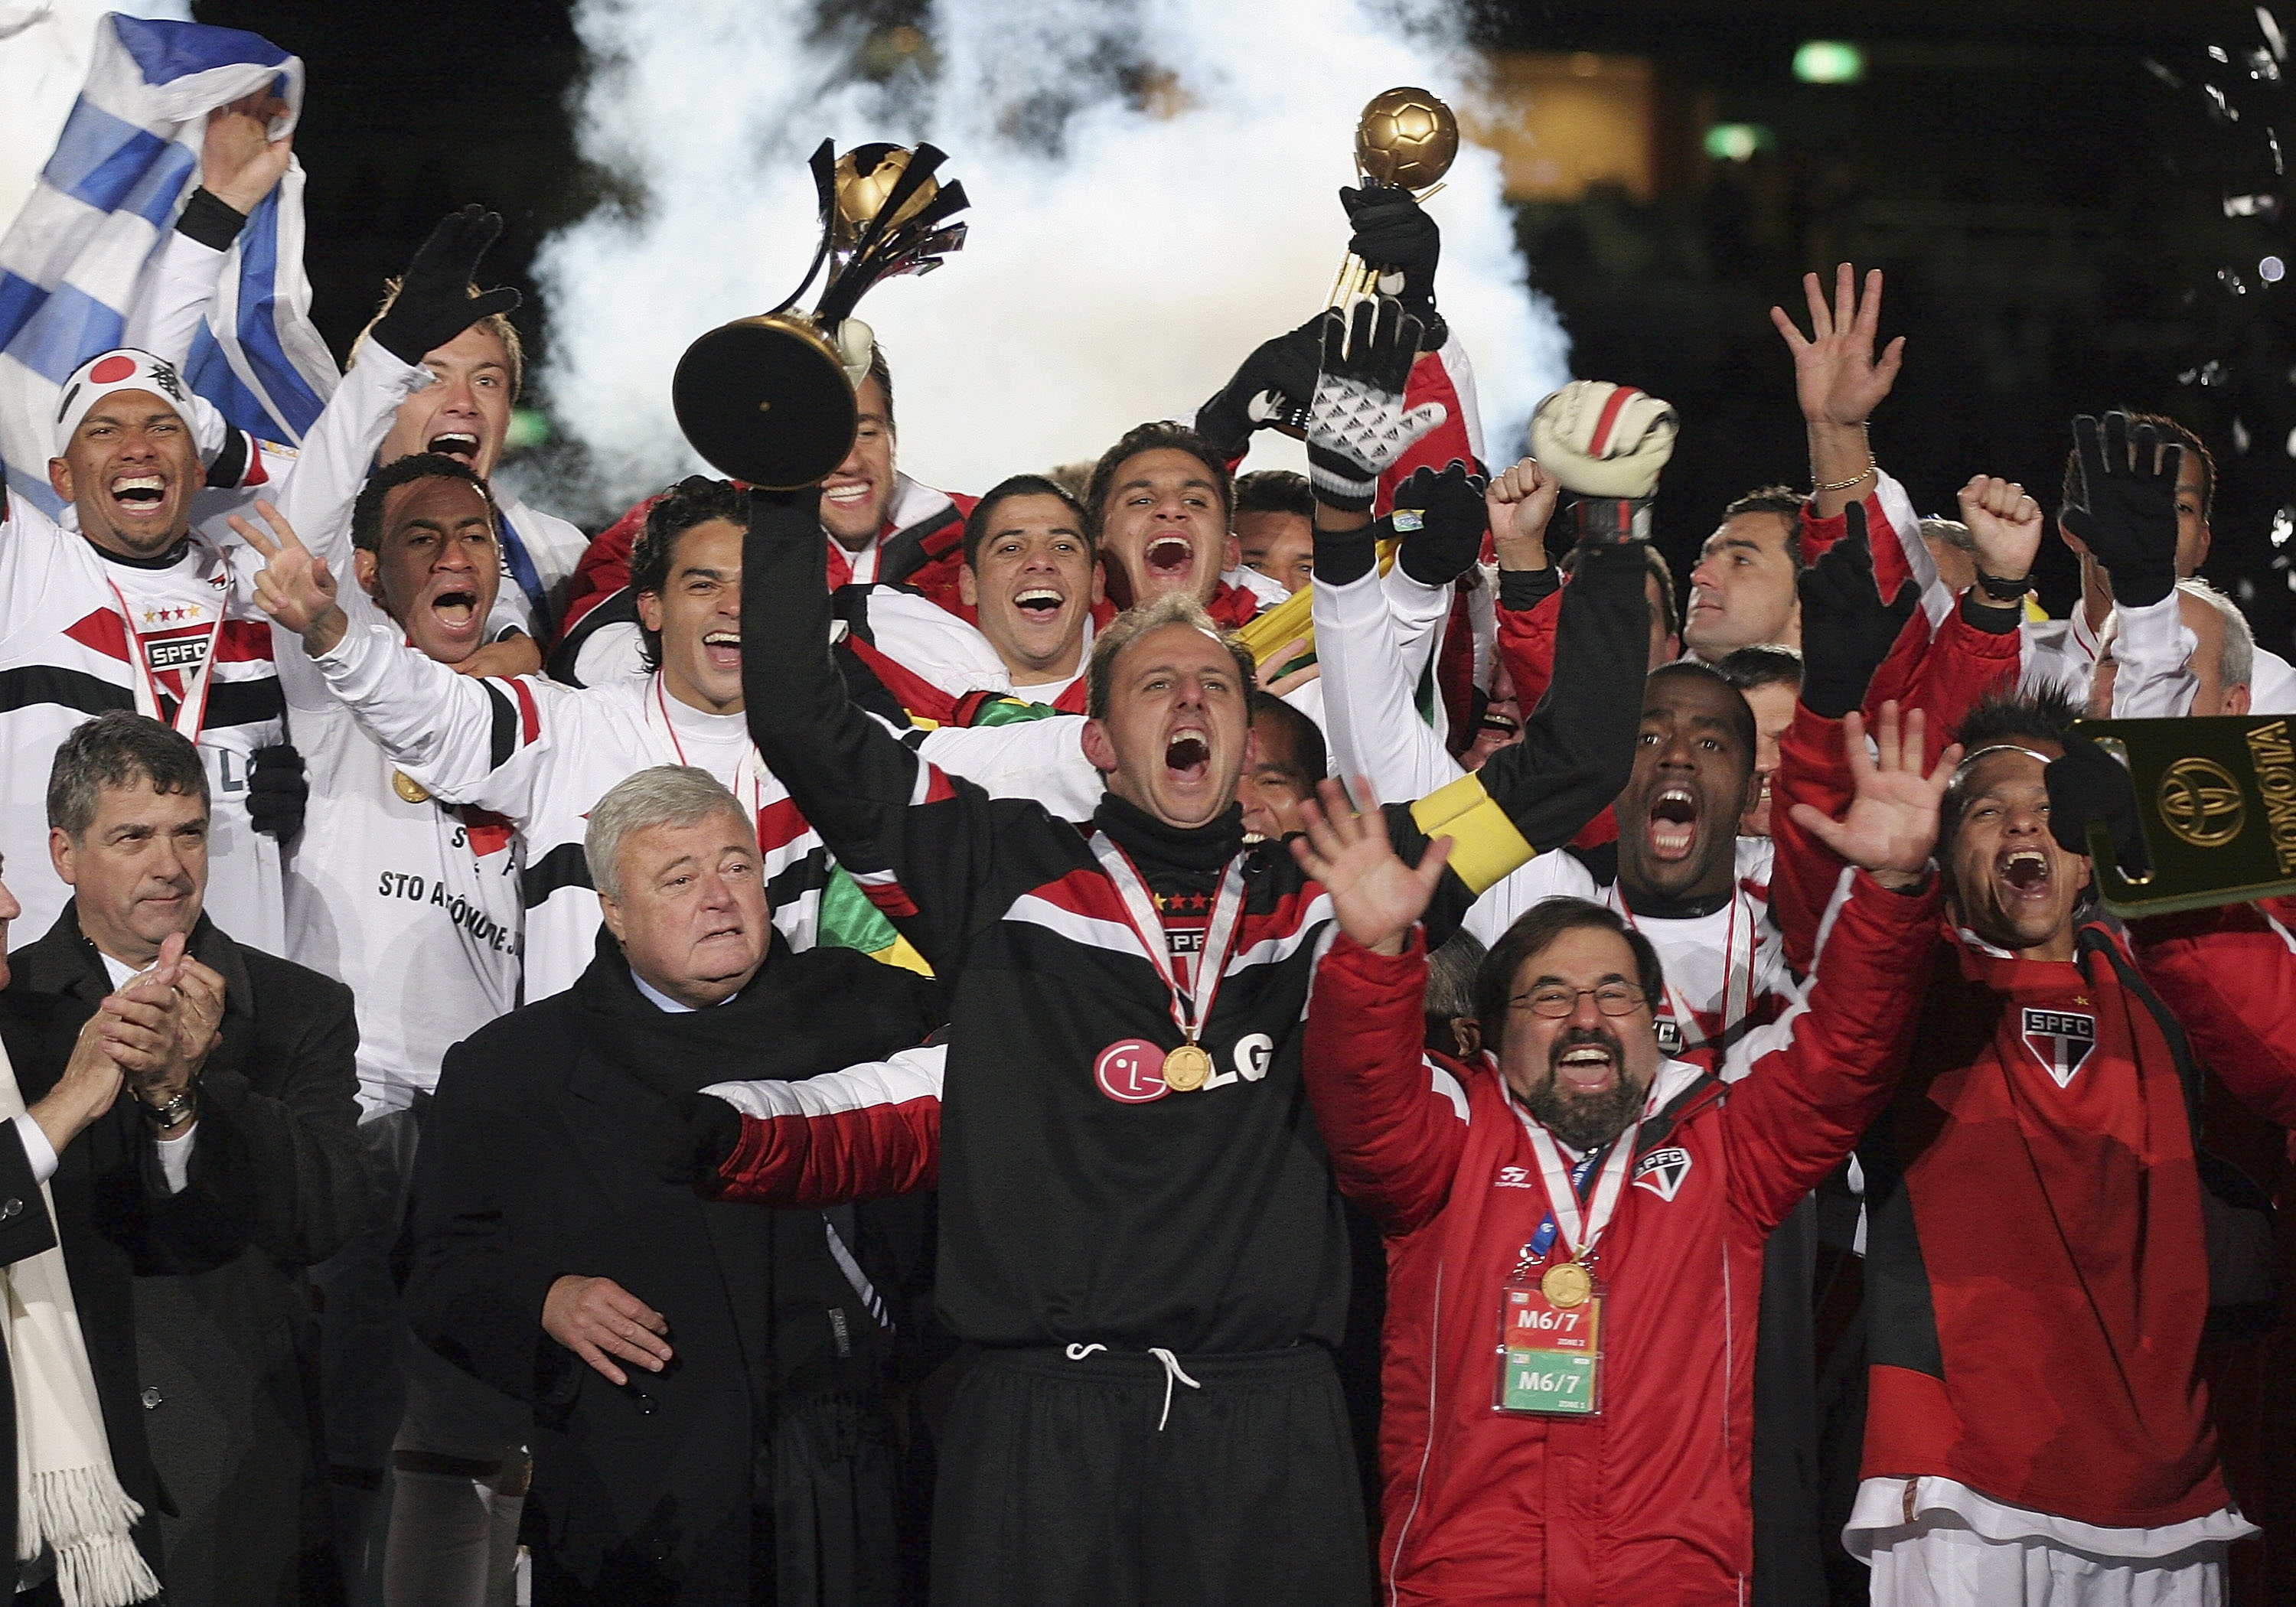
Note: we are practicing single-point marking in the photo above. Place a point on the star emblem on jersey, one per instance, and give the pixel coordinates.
(2061, 1040)
(1662, 1170)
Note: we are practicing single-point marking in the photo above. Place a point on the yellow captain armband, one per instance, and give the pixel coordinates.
(1485, 846)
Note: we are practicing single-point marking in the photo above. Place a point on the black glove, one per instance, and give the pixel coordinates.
(1356, 424)
(1450, 524)
(2127, 512)
(690, 1137)
(1271, 387)
(1846, 630)
(277, 791)
(1394, 233)
(435, 302)
(2087, 785)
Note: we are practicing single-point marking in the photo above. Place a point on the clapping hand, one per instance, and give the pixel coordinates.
(1377, 897)
(1892, 824)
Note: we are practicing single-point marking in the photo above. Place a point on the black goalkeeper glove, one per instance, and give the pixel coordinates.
(1271, 387)
(1441, 519)
(2087, 785)
(277, 793)
(1846, 630)
(1394, 234)
(2127, 512)
(1356, 425)
(435, 300)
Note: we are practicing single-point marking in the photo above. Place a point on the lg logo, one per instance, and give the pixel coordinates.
(1131, 1072)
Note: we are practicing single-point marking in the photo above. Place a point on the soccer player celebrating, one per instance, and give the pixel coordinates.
(2035, 1261)
(1137, 1221)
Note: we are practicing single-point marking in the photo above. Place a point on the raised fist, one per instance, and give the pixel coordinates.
(1601, 440)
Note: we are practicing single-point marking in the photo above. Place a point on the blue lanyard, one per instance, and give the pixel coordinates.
(529, 578)
(1542, 1240)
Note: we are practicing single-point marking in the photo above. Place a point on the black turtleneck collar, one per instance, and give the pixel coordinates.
(1603, 864)
(1150, 842)
(167, 560)
(1650, 907)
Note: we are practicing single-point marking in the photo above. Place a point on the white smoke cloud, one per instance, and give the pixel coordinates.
(1127, 250)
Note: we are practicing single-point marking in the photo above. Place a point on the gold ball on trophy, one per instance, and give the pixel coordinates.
(1406, 136)
(866, 176)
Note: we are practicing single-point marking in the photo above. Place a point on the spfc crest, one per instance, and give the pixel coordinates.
(1662, 1170)
(2061, 1040)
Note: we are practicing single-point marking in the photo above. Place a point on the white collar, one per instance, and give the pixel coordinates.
(662, 1001)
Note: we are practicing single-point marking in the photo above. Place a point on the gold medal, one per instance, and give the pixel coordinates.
(414, 792)
(1187, 1069)
(1566, 1284)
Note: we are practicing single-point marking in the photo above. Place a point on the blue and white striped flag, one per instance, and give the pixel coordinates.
(71, 264)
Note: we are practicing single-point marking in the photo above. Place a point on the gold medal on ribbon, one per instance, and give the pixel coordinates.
(1187, 1069)
(414, 792)
(1567, 1284)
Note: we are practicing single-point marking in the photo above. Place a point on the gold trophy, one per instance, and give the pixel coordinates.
(2216, 797)
(769, 400)
(1406, 137)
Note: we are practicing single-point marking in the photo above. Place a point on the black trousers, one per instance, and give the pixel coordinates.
(1058, 1486)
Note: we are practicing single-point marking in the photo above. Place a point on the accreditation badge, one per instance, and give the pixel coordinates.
(1550, 1356)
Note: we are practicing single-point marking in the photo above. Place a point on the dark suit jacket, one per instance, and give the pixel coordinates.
(198, 1329)
(533, 1165)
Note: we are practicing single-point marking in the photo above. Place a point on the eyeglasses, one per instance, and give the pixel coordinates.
(1556, 1001)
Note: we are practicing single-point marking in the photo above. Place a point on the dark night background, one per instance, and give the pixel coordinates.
(2049, 211)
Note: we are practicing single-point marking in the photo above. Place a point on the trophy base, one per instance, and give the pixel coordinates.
(2215, 798)
(766, 401)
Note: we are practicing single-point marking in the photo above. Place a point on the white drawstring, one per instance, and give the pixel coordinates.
(1173, 1373)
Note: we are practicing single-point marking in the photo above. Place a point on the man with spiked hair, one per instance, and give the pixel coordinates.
(2036, 1269)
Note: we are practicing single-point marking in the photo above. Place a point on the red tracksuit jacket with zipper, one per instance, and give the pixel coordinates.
(1647, 1502)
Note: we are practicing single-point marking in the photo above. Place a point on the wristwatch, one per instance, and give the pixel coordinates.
(175, 1109)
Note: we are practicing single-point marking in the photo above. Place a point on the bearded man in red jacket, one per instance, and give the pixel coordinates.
(1575, 1223)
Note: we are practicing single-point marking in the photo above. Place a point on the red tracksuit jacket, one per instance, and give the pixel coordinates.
(1647, 1502)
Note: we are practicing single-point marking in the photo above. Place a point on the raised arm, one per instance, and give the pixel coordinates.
(1837, 1051)
(1394, 1119)
(864, 1133)
(465, 740)
(1368, 685)
(922, 846)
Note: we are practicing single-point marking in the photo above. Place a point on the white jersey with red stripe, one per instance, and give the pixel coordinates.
(540, 755)
(413, 904)
(1726, 979)
(79, 631)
